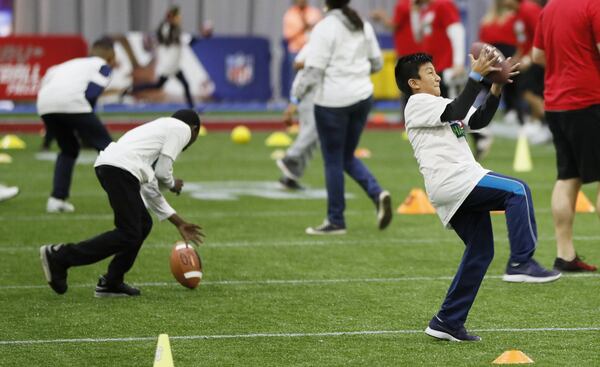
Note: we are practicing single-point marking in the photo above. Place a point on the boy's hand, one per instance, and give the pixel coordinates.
(484, 64)
(496, 88)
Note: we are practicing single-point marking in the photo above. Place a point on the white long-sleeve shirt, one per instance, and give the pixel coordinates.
(445, 160)
(148, 153)
(344, 53)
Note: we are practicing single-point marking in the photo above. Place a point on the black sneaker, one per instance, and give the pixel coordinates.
(290, 184)
(439, 330)
(289, 167)
(326, 228)
(575, 265)
(529, 272)
(103, 289)
(384, 209)
(55, 273)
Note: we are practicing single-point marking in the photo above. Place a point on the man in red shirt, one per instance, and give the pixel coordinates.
(401, 25)
(567, 41)
(443, 37)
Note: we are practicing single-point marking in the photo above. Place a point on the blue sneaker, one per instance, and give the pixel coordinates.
(529, 272)
(439, 330)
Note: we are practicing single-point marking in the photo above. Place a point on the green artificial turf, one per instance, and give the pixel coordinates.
(273, 296)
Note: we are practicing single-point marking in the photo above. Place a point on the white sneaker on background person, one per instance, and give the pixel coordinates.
(7, 192)
(55, 205)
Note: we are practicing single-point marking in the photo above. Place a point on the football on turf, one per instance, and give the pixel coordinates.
(500, 76)
(186, 265)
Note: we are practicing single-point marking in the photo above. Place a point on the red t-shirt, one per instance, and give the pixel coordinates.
(404, 40)
(499, 31)
(435, 19)
(525, 24)
(568, 32)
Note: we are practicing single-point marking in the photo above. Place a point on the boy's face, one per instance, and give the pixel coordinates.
(428, 82)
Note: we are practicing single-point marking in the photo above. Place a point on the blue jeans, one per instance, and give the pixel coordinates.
(473, 225)
(339, 131)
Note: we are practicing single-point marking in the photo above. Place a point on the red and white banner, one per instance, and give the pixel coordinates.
(25, 59)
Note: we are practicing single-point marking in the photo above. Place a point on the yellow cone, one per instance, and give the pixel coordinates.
(163, 356)
(12, 142)
(203, 131)
(416, 203)
(522, 161)
(512, 357)
(241, 135)
(5, 158)
(278, 139)
(583, 204)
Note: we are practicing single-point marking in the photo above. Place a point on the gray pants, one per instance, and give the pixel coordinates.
(301, 151)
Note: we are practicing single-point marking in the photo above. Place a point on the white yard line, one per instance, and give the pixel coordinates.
(17, 247)
(293, 281)
(287, 335)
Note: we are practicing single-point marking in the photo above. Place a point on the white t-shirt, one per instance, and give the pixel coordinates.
(137, 150)
(64, 85)
(344, 55)
(442, 151)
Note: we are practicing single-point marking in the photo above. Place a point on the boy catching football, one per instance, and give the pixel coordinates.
(461, 190)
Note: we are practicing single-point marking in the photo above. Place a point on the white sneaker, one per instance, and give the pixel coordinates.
(55, 205)
(8, 192)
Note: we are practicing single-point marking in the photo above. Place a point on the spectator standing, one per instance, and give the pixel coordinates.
(567, 42)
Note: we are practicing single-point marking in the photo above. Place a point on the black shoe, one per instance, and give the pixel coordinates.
(290, 184)
(439, 330)
(55, 273)
(384, 209)
(326, 228)
(289, 167)
(577, 264)
(104, 289)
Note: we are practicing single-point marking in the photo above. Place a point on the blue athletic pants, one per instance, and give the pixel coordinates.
(473, 225)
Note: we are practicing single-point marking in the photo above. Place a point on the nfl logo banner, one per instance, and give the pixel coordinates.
(239, 69)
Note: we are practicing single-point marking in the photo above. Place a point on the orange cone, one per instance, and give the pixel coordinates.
(583, 204)
(416, 203)
(512, 357)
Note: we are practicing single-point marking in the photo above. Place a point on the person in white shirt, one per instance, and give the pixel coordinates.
(462, 191)
(131, 171)
(66, 102)
(343, 53)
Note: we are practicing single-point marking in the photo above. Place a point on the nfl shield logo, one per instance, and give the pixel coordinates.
(239, 69)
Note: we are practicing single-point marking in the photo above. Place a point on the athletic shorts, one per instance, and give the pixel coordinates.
(532, 80)
(576, 136)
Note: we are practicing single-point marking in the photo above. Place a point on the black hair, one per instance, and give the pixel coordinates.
(188, 116)
(407, 68)
(350, 13)
(104, 43)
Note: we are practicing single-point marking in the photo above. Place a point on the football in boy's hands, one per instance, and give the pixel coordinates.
(500, 76)
(186, 265)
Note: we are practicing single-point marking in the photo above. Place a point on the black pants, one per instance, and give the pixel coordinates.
(132, 221)
(162, 80)
(68, 128)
